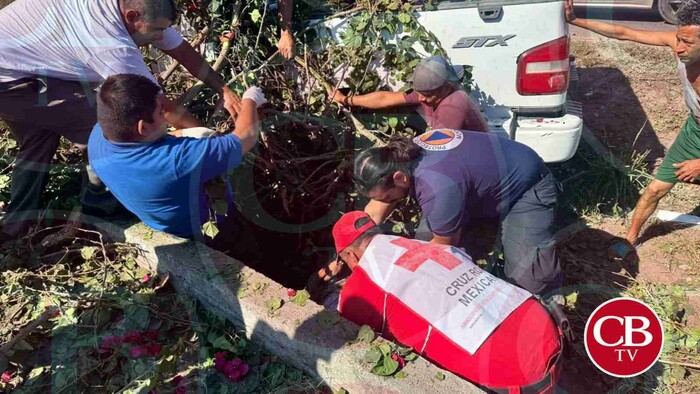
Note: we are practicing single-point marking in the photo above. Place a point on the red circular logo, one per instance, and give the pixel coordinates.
(624, 337)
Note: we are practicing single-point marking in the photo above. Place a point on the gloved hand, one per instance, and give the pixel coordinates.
(255, 93)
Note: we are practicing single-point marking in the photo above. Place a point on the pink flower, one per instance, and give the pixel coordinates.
(133, 337)
(136, 352)
(153, 349)
(236, 369)
(6, 377)
(244, 369)
(399, 359)
(110, 342)
(151, 335)
(220, 364)
(234, 375)
(291, 293)
(146, 278)
(220, 356)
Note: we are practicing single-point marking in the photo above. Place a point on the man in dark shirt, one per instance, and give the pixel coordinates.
(461, 176)
(436, 95)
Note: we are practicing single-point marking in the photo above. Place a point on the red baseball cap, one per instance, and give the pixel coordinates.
(349, 227)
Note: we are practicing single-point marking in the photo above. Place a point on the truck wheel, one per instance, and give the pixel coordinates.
(668, 9)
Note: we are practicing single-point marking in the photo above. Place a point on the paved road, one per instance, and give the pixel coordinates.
(647, 20)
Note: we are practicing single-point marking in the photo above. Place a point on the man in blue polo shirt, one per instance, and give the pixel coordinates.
(158, 177)
(458, 177)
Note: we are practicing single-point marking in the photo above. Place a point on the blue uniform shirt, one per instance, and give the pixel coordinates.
(162, 182)
(465, 175)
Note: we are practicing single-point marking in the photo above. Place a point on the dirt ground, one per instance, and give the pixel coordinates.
(632, 102)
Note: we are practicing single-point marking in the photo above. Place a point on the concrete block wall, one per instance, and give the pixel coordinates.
(309, 338)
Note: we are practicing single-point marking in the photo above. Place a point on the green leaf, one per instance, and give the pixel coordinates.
(242, 344)
(693, 338)
(404, 17)
(87, 252)
(411, 356)
(220, 207)
(148, 235)
(440, 376)
(401, 375)
(301, 297)
(366, 334)
(4, 181)
(220, 342)
(397, 228)
(340, 391)
(255, 16)
(274, 374)
(372, 356)
(209, 229)
(387, 368)
(36, 372)
(393, 122)
(571, 299)
(403, 351)
(352, 40)
(326, 319)
(385, 349)
(274, 304)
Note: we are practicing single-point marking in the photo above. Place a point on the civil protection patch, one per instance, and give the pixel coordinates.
(439, 140)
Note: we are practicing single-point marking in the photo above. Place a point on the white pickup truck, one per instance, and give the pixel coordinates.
(519, 50)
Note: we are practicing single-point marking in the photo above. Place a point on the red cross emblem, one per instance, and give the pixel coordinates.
(419, 253)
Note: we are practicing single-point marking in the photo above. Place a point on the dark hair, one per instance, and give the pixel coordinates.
(376, 166)
(122, 101)
(688, 14)
(152, 9)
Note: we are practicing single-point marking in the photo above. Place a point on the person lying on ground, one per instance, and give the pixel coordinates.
(437, 96)
(459, 177)
(54, 53)
(682, 161)
(159, 177)
(434, 299)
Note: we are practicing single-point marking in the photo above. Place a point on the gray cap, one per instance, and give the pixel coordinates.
(433, 73)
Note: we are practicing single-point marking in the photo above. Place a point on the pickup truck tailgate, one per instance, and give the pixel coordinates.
(490, 36)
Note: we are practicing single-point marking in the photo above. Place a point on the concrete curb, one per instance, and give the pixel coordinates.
(309, 338)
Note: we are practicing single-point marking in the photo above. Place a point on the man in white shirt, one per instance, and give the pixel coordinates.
(53, 53)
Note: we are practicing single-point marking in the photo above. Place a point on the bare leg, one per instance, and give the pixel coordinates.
(646, 206)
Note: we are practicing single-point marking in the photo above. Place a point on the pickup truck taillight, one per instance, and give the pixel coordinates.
(544, 69)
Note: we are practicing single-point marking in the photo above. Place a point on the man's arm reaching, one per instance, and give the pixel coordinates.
(620, 32)
(378, 211)
(375, 100)
(286, 43)
(198, 67)
(248, 124)
(452, 239)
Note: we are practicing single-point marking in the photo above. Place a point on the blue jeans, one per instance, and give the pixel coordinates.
(527, 237)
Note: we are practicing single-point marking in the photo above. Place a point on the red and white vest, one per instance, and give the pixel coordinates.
(434, 299)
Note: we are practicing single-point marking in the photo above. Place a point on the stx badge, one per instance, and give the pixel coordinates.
(478, 42)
